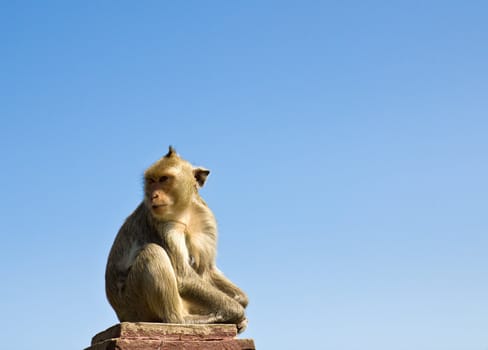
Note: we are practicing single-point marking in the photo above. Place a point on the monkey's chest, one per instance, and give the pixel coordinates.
(201, 252)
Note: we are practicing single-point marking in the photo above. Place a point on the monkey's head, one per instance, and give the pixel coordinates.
(170, 185)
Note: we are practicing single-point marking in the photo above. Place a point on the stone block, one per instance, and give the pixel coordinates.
(164, 336)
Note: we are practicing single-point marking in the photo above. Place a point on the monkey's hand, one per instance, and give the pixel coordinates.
(241, 299)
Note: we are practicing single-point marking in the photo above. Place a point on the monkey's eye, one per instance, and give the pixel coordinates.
(163, 178)
(150, 180)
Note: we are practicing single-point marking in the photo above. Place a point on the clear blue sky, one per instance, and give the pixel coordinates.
(348, 145)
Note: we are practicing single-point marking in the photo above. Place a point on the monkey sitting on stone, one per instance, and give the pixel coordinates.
(161, 267)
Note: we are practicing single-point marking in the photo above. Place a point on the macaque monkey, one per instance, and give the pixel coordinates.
(161, 267)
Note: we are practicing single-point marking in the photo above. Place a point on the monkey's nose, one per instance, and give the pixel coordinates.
(155, 196)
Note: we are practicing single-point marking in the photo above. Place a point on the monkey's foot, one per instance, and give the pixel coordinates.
(202, 319)
(212, 319)
(241, 326)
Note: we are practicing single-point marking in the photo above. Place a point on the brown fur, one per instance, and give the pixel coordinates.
(161, 267)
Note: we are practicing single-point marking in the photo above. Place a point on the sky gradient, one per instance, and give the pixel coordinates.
(347, 143)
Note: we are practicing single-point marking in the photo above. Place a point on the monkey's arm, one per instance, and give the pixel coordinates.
(225, 285)
(191, 285)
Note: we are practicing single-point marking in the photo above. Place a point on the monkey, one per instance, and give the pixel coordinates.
(161, 267)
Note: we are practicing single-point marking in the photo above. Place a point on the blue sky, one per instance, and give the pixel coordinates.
(347, 143)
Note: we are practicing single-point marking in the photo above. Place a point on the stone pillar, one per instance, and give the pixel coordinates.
(165, 336)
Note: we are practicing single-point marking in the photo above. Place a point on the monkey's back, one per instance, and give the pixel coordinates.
(134, 234)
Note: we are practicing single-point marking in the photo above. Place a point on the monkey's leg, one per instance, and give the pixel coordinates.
(152, 292)
(218, 279)
(193, 287)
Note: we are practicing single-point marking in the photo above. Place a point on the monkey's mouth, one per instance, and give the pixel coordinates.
(158, 206)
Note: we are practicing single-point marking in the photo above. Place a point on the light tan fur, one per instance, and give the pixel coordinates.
(161, 267)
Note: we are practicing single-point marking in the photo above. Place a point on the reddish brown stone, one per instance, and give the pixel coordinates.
(161, 336)
(167, 331)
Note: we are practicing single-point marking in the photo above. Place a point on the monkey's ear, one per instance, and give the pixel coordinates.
(201, 175)
(171, 152)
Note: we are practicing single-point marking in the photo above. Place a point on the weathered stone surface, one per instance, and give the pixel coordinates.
(151, 344)
(162, 336)
(167, 331)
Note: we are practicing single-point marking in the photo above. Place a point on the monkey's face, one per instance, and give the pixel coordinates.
(168, 192)
(157, 194)
(169, 186)
(164, 195)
